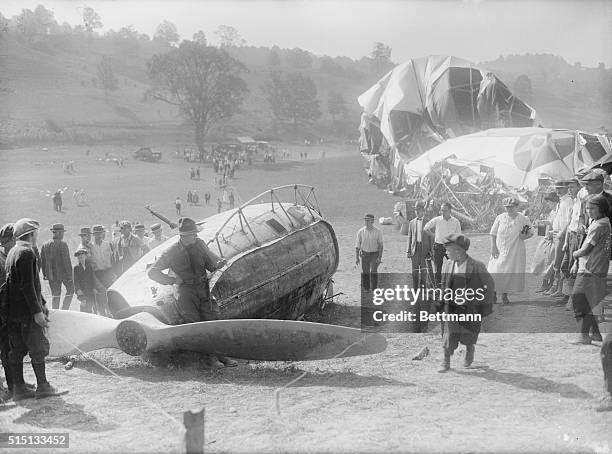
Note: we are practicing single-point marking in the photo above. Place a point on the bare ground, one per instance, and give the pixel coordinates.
(533, 392)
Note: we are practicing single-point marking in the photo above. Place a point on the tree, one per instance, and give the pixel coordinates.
(300, 103)
(381, 56)
(329, 66)
(200, 38)
(33, 25)
(127, 40)
(229, 36)
(299, 58)
(274, 57)
(106, 75)
(166, 32)
(203, 82)
(91, 22)
(336, 105)
(523, 88)
(275, 95)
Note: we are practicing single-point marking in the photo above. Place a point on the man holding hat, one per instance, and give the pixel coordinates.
(27, 314)
(102, 261)
(460, 273)
(158, 236)
(369, 248)
(190, 259)
(57, 267)
(128, 247)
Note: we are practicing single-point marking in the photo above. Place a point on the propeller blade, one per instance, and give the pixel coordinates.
(256, 339)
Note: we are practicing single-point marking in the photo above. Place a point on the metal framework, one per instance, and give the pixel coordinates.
(298, 190)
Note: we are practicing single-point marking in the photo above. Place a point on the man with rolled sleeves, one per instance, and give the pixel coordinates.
(26, 315)
(189, 259)
(443, 225)
(369, 248)
(128, 247)
(57, 267)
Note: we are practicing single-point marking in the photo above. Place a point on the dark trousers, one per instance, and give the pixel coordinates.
(439, 254)
(369, 270)
(421, 268)
(106, 278)
(194, 303)
(56, 292)
(27, 337)
(587, 322)
(88, 303)
(606, 362)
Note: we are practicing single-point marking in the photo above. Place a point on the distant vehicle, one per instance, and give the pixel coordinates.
(146, 154)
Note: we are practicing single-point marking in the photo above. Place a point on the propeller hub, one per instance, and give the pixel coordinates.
(131, 338)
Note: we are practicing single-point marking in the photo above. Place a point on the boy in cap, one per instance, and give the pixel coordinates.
(57, 268)
(26, 315)
(369, 248)
(85, 282)
(460, 273)
(190, 259)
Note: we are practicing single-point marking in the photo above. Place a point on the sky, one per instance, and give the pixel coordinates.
(476, 30)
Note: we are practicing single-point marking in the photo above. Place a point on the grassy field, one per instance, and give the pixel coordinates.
(534, 395)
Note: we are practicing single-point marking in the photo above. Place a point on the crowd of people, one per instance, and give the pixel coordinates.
(577, 236)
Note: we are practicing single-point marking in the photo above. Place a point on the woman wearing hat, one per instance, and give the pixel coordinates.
(508, 254)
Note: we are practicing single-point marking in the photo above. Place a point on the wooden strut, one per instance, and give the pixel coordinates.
(194, 431)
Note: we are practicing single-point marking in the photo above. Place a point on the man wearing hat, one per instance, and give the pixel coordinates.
(140, 231)
(460, 273)
(128, 247)
(419, 248)
(559, 230)
(443, 225)
(575, 233)
(86, 284)
(158, 236)
(57, 267)
(26, 315)
(101, 258)
(369, 248)
(190, 259)
(6, 243)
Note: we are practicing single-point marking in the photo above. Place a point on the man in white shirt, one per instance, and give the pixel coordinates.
(101, 257)
(158, 236)
(369, 248)
(443, 225)
(575, 233)
(559, 230)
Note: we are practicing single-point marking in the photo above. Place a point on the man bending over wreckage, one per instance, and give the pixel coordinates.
(189, 259)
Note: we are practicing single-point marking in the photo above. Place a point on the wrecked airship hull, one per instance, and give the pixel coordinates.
(280, 256)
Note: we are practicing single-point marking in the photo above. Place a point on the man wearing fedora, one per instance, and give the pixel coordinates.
(102, 261)
(158, 236)
(190, 259)
(560, 223)
(462, 272)
(419, 248)
(57, 267)
(139, 231)
(26, 315)
(369, 249)
(128, 247)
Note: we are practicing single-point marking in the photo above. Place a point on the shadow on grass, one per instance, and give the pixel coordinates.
(282, 166)
(523, 381)
(54, 413)
(255, 374)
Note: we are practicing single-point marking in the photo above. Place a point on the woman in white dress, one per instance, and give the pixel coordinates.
(508, 256)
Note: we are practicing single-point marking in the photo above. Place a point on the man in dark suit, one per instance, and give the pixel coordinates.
(419, 248)
(460, 273)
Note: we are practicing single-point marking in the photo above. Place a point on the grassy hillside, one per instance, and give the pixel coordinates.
(49, 93)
